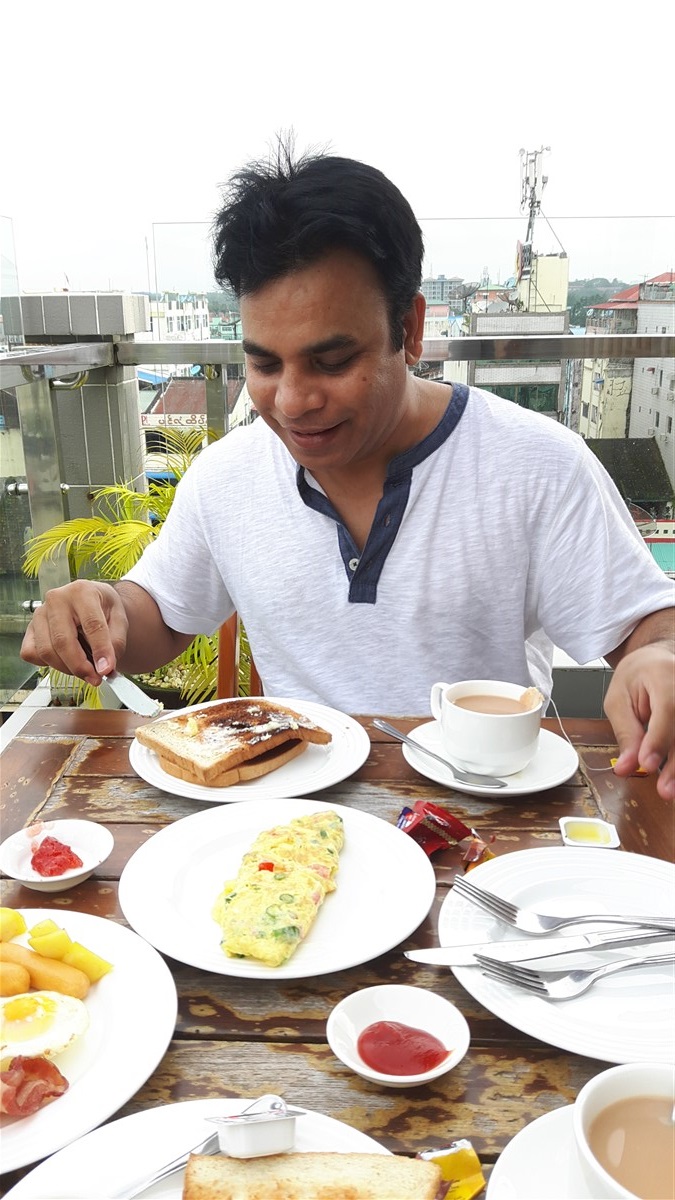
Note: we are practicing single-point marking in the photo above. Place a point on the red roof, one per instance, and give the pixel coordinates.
(188, 396)
(629, 297)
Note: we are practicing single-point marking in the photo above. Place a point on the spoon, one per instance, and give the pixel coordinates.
(470, 777)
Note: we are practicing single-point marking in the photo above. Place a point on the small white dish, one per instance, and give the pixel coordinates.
(413, 1006)
(90, 841)
(588, 831)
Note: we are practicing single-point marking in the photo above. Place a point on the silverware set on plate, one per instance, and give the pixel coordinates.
(549, 982)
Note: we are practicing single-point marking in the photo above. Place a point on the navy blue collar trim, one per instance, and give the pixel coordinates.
(364, 569)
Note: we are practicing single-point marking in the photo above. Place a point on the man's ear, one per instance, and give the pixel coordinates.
(413, 330)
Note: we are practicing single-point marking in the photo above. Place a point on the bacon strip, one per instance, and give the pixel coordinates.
(28, 1084)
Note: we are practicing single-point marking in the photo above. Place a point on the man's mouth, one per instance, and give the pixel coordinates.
(312, 437)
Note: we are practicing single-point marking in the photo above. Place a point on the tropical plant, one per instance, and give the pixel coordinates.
(107, 544)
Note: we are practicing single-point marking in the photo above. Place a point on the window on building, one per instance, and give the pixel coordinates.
(661, 374)
(657, 418)
(188, 322)
(169, 324)
(594, 414)
(584, 410)
(669, 425)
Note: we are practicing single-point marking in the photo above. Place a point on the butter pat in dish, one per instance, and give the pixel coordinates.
(588, 831)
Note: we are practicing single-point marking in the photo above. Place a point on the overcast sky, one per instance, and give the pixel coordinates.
(122, 120)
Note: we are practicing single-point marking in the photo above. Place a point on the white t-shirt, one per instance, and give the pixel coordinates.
(513, 539)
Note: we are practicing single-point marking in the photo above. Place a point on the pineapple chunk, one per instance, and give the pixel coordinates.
(53, 944)
(92, 964)
(11, 924)
(43, 927)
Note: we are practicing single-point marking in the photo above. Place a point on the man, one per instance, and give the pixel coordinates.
(376, 531)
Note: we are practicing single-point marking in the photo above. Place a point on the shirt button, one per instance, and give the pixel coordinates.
(353, 564)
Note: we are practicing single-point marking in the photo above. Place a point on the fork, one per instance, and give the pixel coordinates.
(210, 1145)
(534, 922)
(563, 985)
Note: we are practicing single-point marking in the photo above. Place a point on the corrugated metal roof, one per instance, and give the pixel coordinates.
(637, 468)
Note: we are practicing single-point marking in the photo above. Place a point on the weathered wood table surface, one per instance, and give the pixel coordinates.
(237, 1037)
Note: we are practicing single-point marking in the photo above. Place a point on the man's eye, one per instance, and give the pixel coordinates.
(264, 368)
(334, 368)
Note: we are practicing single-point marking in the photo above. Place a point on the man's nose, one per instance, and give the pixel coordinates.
(297, 394)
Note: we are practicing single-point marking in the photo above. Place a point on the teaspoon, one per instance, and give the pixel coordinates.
(470, 777)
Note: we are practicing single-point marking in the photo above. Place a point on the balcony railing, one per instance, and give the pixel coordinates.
(79, 425)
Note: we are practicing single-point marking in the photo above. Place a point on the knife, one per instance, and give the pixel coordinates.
(125, 689)
(524, 949)
(132, 696)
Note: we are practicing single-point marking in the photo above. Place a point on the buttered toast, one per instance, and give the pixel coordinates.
(312, 1176)
(231, 741)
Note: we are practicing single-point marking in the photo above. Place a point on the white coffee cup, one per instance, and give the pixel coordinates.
(490, 743)
(626, 1082)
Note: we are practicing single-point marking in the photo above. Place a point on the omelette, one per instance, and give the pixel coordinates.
(283, 879)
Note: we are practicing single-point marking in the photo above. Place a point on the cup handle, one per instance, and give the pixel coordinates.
(436, 698)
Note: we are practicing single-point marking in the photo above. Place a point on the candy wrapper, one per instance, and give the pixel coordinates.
(460, 1167)
(435, 828)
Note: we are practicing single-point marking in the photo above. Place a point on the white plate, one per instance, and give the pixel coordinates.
(317, 767)
(385, 888)
(108, 1160)
(625, 1018)
(132, 1015)
(540, 1163)
(555, 762)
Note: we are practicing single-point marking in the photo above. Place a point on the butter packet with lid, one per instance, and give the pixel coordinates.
(460, 1168)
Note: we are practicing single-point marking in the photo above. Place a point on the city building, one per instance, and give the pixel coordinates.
(626, 397)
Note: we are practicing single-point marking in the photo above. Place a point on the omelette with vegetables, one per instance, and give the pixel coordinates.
(283, 879)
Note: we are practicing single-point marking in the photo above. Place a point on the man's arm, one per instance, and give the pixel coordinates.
(640, 700)
(122, 625)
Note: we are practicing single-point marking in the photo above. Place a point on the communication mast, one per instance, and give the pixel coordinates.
(532, 184)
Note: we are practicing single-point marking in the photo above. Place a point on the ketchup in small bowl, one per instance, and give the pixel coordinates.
(397, 1035)
(396, 1049)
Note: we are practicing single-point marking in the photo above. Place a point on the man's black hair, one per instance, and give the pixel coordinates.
(284, 214)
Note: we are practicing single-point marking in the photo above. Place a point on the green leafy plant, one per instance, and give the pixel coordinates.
(107, 544)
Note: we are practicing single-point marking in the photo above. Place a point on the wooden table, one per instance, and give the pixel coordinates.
(235, 1039)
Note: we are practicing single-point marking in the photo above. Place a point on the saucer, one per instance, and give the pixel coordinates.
(540, 1163)
(555, 762)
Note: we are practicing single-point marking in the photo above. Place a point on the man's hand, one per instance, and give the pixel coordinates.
(640, 703)
(94, 610)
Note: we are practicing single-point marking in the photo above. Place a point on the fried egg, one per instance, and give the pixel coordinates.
(40, 1023)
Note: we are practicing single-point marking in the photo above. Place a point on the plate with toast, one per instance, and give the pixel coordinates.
(363, 913)
(249, 748)
(137, 1145)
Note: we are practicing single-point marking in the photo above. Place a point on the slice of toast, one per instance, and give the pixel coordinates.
(213, 745)
(312, 1176)
(271, 760)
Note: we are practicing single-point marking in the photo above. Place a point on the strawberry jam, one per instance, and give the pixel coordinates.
(53, 858)
(396, 1049)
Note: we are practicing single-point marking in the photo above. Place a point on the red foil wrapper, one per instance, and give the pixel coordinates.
(434, 828)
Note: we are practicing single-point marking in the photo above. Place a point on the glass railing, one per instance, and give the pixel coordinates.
(73, 422)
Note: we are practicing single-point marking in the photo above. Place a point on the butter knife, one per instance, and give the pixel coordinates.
(128, 692)
(524, 949)
(132, 696)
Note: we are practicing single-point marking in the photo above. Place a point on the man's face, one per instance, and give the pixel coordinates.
(320, 367)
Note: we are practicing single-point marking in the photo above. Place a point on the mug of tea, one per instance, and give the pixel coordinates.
(625, 1134)
(486, 725)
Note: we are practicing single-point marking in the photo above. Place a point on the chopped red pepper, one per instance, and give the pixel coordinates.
(53, 858)
(266, 866)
